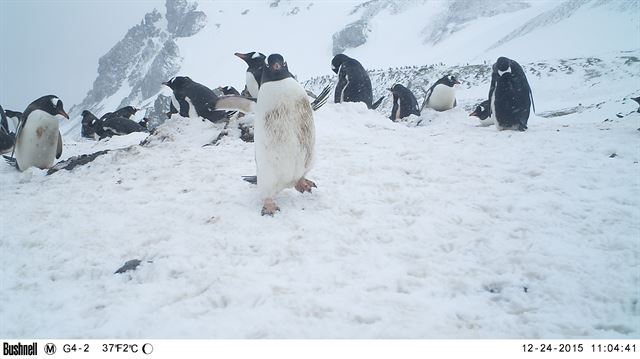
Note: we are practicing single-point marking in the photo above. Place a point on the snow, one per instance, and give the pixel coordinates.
(442, 230)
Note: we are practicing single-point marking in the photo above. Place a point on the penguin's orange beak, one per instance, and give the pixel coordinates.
(473, 113)
(456, 82)
(242, 56)
(61, 112)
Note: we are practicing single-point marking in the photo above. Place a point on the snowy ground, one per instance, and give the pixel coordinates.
(446, 230)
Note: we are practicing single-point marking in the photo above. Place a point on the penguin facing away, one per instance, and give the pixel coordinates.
(354, 84)
(38, 141)
(256, 65)
(404, 103)
(441, 95)
(510, 95)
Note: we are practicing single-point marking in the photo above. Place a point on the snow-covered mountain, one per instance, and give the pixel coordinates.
(199, 40)
(432, 227)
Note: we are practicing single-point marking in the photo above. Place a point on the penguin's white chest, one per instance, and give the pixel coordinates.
(284, 136)
(442, 98)
(37, 141)
(252, 85)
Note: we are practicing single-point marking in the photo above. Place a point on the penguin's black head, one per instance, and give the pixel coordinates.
(396, 88)
(276, 69)
(502, 66)
(177, 82)
(50, 104)
(482, 110)
(337, 61)
(449, 80)
(253, 59)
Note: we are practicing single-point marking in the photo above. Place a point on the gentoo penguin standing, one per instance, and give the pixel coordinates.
(404, 103)
(354, 84)
(192, 99)
(255, 61)
(88, 124)
(284, 132)
(483, 113)
(510, 95)
(6, 140)
(38, 141)
(441, 96)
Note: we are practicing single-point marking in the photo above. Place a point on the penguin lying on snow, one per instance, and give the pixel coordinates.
(38, 141)
(510, 95)
(482, 112)
(255, 63)
(6, 139)
(354, 84)
(125, 112)
(404, 103)
(192, 99)
(284, 132)
(441, 95)
(108, 126)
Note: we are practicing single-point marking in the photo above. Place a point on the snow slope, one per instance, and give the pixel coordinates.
(445, 230)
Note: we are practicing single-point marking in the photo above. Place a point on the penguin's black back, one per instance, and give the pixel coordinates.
(511, 94)
(354, 84)
(120, 126)
(203, 99)
(88, 124)
(404, 101)
(126, 111)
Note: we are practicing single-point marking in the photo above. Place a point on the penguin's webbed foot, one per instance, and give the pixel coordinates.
(269, 208)
(305, 185)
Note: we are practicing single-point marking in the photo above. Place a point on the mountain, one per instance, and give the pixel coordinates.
(199, 41)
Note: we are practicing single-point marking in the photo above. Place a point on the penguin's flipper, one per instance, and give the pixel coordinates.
(11, 161)
(250, 179)
(322, 98)
(238, 103)
(59, 149)
(426, 98)
(377, 103)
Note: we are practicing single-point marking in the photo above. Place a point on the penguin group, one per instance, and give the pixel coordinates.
(284, 125)
(116, 123)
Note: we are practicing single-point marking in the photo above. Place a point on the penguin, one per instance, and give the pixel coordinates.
(13, 118)
(38, 141)
(510, 95)
(125, 112)
(255, 62)
(88, 124)
(404, 103)
(228, 90)
(284, 132)
(441, 95)
(6, 139)
(483, 113)
(192, 99)
(116, 126)
(354, 84)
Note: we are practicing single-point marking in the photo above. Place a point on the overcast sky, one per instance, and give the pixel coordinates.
(53, 46)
